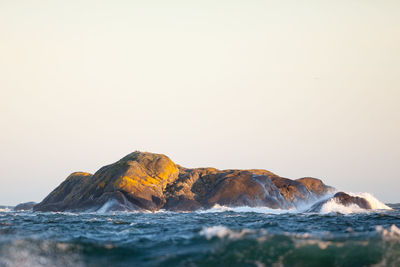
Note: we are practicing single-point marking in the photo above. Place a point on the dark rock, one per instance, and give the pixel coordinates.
(67, 194)
(181, 203)
(244, 188)
(25, 206)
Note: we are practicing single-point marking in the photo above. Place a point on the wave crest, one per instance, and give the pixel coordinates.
(266, 210)
(224, 232)
(393, 233)
(5, 210)
(328, 205)
(372, 200)
(333, 206)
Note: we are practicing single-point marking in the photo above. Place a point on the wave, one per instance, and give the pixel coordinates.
(39, 253)
(381, 248)
(216, 246)
(224, 232)
(106, 208)
(193, 239)
(220, 208)
(333, 206)
(5, 210)
(330, 206)
(391, 233)
(372, 200)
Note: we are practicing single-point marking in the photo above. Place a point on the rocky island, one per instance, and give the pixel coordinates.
(144, 181)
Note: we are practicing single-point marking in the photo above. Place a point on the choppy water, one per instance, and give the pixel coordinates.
(218, 237)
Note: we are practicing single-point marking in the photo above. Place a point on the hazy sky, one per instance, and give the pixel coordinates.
(301, 88)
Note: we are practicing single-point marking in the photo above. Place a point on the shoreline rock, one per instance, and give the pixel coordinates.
(148, 181)
(25, 206)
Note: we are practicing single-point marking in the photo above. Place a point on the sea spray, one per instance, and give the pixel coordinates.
(334, 206)
(372, 200)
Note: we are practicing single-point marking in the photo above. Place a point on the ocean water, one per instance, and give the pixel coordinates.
(222, 236)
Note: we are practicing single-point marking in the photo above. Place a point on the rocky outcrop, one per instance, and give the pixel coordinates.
(135, 182)
(148, 181)
(347, 200)
(205, 187)
(25, 206)
(68, 194)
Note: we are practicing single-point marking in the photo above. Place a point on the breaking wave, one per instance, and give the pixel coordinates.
(223, 232)
(373, 201)
(106, 208)
(330, 206)
(266, 210)
(27, 253)
(391, 233)
(5, 210)
(333, 206)
(302, 249)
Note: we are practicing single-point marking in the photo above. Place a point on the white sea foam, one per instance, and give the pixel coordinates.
(266, 210)
(305, 206)
(109, 208)
(106, 207)
(334, 206)
(65, 213)
(27, 254)
(223, 232)
(393, 233)
(320, 243)
(5, 210)
(261, 235)
(328, 207)
(373, 201)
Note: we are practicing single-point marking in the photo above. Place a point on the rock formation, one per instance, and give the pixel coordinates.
(148, 181)
(25, 206)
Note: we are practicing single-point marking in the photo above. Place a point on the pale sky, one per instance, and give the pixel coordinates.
(300, 88)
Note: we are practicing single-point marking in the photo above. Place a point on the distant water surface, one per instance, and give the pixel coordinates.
(217, 237)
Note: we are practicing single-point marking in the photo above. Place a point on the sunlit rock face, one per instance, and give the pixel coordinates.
(148, 181)
(137, 181)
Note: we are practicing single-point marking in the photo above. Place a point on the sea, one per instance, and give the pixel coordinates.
(221, 236)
